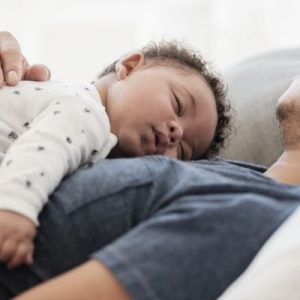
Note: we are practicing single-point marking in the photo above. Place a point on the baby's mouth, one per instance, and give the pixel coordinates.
(156, 139)
(161, 141)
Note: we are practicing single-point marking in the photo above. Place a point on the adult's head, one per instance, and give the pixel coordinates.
(288, 115)
(165, 99)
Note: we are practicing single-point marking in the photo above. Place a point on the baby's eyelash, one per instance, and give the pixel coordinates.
(180, 105)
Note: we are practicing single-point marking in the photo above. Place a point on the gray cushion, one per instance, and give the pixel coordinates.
(254, 87)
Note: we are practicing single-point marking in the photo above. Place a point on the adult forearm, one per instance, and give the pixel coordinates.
(91, 280)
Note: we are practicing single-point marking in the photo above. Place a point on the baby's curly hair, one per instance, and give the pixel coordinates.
(176, 54)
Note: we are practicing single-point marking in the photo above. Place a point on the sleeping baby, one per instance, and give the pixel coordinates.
(160, 100)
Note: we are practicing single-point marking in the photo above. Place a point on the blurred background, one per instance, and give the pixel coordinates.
(77, 38)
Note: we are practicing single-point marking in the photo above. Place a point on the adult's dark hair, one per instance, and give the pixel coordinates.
(178, 55)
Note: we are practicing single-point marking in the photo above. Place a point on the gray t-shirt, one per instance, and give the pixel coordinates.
(166, 229)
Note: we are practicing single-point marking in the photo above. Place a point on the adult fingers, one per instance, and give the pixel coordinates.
(1, 77)
(38, 72)
(11, 59)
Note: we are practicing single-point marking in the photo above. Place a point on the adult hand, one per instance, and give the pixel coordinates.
(14, 66)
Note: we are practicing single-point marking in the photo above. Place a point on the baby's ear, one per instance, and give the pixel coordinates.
(129, 63)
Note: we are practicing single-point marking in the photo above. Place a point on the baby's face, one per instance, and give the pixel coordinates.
(162, 110)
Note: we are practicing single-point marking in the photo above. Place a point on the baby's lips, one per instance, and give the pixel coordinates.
(161, 141)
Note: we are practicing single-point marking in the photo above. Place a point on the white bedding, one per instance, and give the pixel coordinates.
(274, 274)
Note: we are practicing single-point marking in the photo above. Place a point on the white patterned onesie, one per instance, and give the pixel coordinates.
(47, 130)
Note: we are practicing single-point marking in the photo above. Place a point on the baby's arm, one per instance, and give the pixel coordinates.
(67, 134)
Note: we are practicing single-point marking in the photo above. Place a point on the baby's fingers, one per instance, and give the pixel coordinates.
(23, 254)
(7, 250)
(29, 258)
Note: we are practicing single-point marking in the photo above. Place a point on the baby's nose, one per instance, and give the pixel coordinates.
(175, 134)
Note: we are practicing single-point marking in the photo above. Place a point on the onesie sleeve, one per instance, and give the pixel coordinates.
(66, 134)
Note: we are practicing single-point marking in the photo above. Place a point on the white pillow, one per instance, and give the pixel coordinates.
(274, 272)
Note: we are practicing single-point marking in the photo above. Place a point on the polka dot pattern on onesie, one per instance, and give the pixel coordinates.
(28, 183)
(26, 125)
(41, 175)
(13, 135)
(94, 152)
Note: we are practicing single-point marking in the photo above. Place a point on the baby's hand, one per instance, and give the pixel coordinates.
(16, 239)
